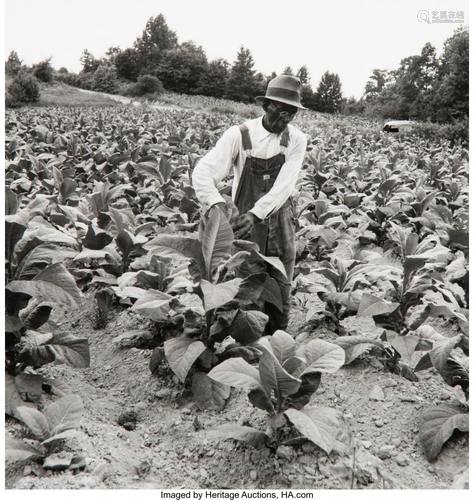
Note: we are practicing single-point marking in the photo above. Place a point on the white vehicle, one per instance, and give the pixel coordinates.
(398, 126)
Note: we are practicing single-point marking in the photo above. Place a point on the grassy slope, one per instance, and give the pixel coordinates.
(64, 95)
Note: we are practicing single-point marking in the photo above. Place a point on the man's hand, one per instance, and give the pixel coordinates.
(244, 224)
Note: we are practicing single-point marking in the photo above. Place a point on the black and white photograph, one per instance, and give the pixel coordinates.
(236, 248)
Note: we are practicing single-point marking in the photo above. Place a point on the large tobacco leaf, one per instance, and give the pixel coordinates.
(321, 356)
(154, 305)
(248, 326)
(40, 349)
(181, 354)
(319, 425)
(217, 239)
(275, 378)
(237, 373)
(218, 295)
(209, 394)
(437, 424)
(64, 414)
(36, 422)
(16, 450)
(53, 284)
(170, 245)
(370, 305)
(13, 399)
(355, 345)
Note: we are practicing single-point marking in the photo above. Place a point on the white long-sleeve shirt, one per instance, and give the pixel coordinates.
(228, 152)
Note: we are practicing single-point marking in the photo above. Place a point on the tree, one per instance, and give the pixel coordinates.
(43, 71)
(375, 85)
(182, 67)
(329, 94)
(111, 54)
(13, 64)
(105, 79)
(308, 97)
(451, 93)
(155, 40)
(89, 62)
(127, 64)
(288, 71)
(213, 81)
(241, 85)
(303, 75)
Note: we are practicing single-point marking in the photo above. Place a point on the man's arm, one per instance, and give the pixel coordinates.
(214, 167)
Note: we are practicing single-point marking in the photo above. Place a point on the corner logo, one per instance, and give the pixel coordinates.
(443, 16)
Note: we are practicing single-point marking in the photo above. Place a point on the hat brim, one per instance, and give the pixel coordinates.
(259, 100)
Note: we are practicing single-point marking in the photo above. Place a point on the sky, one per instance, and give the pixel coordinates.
(347, 37)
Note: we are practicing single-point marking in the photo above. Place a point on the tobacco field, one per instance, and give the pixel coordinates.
(134, 349)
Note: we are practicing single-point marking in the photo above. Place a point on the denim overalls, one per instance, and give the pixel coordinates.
(276, 234)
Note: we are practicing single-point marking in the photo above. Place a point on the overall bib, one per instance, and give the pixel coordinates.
(276, 234)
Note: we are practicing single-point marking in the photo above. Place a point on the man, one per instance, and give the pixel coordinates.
(266, 155)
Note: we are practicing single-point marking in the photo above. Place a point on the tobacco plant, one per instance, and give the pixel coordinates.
(450, 358)
(282, 385)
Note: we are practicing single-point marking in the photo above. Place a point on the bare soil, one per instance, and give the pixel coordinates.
(167, 448)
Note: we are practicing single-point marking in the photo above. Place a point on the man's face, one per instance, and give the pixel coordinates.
(278, 115)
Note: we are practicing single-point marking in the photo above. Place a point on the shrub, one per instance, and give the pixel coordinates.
(43, 71)
(105, 79)
(455, 131)
(23, 89)
(146, 84)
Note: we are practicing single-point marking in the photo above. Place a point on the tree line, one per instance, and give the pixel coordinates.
(424, 87)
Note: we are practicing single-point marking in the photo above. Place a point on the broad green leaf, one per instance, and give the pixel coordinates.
(38, 350)
(248, 435)
(13, 324)
(127, 243)
(96, 238)
(321, 356)
(209, 394)
(217, 239)
(13, 234)
(437, 424)
(181, 354)
(354, 346)
(251, 288)
(70, 433)
(218, 295)
(35, 421)
(54, 284)
(13, 398)
(248, 326)
(68, 187)
(373, 306)
(170, 245)
(404, 345)
(319, 425)
(411, 265)
(441, 351)
(11, 202)
(37, 317)
(272, 293)
(275, 378)
(283, 345)
(64, 414)
(31, 385)
(39, 256)
(18, 450)
(154, 305)
(237, 373)
(260, 399)
(273, 261)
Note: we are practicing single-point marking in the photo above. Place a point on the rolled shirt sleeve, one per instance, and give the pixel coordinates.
(215, 166)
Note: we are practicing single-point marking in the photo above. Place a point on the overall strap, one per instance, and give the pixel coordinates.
(246, 141)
